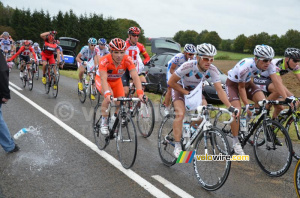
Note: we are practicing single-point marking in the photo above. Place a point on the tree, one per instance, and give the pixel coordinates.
(212, 38)
(292, 38)
(178, 36)
(226, 45)
(239, 43)
(201, 36)
(189, 36)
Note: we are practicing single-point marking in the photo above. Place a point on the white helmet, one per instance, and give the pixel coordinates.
(206, 49)
(264, 51)
(35, 44)
(190, 48)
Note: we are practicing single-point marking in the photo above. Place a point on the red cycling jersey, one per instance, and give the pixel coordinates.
(135, 50)
(50, 48)
(23, 52)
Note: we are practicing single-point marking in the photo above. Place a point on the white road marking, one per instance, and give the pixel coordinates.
(172, 187)
(15, 86)
(131, 174)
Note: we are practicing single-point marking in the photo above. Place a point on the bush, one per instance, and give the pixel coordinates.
(223, 57)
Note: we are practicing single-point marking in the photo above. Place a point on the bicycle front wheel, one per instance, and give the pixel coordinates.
(47, 85)
(82, 94)
(293, 127)
(54, 91)
(146, 118)
(274, 157)
(30, 79)
(166, 141)
(211, 174)
(126, 141)
(37, 72)
(297, 178)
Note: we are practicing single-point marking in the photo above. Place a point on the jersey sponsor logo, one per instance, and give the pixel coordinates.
(242, 62)
(243, 72)
(259, 81)
(121, 71)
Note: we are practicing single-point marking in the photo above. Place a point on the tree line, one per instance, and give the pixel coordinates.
(25, 24)
(242, 43)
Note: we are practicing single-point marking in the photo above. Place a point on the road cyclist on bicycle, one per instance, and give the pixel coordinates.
(112, 67)
(239, 84)
(103, 49)
(6, 43)
(188, 53)
(188, 95)
(87, 59)
(48, 54)
(134, 49)
(290, 63)
(25, 52)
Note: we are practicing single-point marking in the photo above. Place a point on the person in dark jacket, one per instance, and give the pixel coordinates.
(6, 140)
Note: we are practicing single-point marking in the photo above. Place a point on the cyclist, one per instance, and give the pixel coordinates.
(6, 43)
(289, 64)
(25, 51)
(133, 49)
(87, 57)
(192, 73)
(62, 58)
(111, 68)
(188, 54)
(239, 84)
(37, 51)
(103, 49)
(48, 53)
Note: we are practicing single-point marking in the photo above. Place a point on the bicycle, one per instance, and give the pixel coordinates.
(122, 129)
(89, 88)
(210, 175)
(35, 69)
(144, 112)
(290, 116)
(273, 163)
(162, 105)
(27, 77)
(297, 178)
(51, 80)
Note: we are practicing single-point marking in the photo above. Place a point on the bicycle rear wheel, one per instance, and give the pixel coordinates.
(212, 175)
(274, 157)
(37, 72)
(146, 118)
(82, 94)
(166, 141)
(297, 178)
(100, 140)
(54, 91)
(92, 90)
(126, 141)
(47, 85)
(293, 126)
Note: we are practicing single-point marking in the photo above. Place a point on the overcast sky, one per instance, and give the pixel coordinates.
(158, 18)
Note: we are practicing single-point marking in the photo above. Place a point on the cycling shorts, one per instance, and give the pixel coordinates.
(25, 58)
(126, 78)
(176, 95)
(263, 83)
(48, 57)
(232, 90)
(116, 87)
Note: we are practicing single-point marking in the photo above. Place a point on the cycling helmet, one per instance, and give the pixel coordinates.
(5, 34)
(26, 42)
(134, 30)
(102, 41)
(190, 48)
(35, 44)
(293, 53)
(264, 51)
(117, 44)
(92, 41)
(206, 49)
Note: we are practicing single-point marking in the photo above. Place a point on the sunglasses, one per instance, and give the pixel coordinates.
(190, 54)
(135, 35)
(296, 60)
(207, 59)
(93, 45)
(265, 60)
(27, 45)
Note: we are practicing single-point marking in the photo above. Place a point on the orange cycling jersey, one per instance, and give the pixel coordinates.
(23, 52)
(113, 72)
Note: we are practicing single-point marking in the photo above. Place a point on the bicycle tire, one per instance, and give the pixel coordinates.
(282, 159)
(166, 141)
(31, 71)
(37, 72)
(145, 119)
(82, 94)
(161, 104)
(47, 85)
(23, 82)
(93, 102)
(54, 91)
(100, 140)
(297, 178)
(126, 137)
(288, 126)
(210, 182)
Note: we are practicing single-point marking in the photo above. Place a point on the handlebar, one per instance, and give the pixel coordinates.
(273, 102)
(120, 99)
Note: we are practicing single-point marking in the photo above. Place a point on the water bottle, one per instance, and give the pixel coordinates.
(243, 124)
(22, 132)
(193, 129)
(186, 132)
(112, 120)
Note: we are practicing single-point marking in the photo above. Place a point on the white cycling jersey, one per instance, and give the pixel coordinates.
(191, 76)
(134, 52)
(102, 52)
(246, 68)
(178, 60)
(87, 54)
(6, 44)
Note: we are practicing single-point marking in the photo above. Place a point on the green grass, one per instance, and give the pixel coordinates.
(69, 73)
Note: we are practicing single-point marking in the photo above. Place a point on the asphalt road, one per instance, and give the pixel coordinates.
(60, 159)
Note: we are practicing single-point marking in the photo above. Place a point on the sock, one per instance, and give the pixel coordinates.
(235, 140)
(177, 144)
(104, 121)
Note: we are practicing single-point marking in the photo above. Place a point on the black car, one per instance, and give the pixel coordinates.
(69, 45)
(164, 50)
